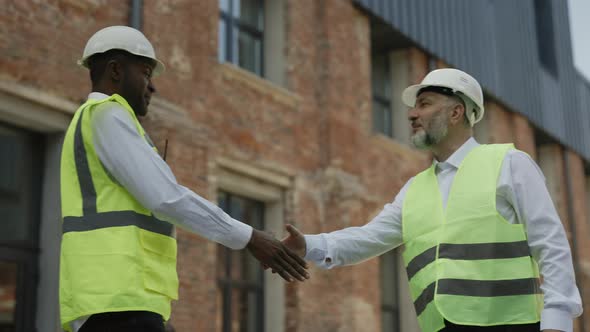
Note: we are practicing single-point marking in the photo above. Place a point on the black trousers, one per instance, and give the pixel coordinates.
(125, 321)
(450, 327)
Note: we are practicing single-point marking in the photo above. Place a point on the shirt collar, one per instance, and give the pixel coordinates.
(457, 157)
(98, 96)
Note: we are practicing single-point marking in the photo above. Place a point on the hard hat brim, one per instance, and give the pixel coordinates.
(410, 93)
(158, 69)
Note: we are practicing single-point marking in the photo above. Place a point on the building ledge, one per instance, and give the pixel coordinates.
(34, 109)
(280, 94)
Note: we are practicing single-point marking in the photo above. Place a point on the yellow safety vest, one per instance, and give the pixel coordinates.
(467, 264)
(115, 255)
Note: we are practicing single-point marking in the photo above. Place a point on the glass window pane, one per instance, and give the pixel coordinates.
(387, 121)
(224, 5)
(381, 76)
(235, 9)
(222, 200)
(235, 56)
(252, 271)
(382, 118)
(377, 117)
(236, 208)
(253, 304)
(250, 53)
(222, 42)
(8, 274)
(238, 260)
(246, 311)
(238, 311)
(255, 214)
(251, 13)
(16, 180)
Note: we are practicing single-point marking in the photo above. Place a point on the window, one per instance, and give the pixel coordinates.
(20, 187)
(381, 85)
(240, 277)
(545, 35)
(390, 317)
(241, 34)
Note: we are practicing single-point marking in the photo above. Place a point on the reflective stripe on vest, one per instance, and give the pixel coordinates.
(86, 187)
(116, 219)
(470, 251)
(483, 288)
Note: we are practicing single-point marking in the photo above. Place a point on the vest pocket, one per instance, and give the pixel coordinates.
(159, 263)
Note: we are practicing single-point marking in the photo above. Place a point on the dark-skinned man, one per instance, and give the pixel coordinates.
(478, 226)
(120, 202)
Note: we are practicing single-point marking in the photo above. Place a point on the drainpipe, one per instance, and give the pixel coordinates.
(572, 219)
(135, 15)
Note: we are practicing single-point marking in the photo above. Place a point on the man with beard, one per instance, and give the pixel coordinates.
(120, 202)
(478, 225)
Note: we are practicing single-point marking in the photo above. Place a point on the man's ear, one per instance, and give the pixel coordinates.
(457, 113)
(114, 70)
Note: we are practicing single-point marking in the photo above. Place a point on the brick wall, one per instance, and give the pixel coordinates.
(318, 128)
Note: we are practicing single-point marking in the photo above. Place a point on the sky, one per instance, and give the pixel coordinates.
(579, 11)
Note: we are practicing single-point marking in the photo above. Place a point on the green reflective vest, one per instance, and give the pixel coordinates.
(115, 255)
(467, 264)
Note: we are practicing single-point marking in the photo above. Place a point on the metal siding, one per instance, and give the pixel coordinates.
(496, 42)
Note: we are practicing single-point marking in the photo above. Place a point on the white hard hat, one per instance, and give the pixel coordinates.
(459, 82)
(121, 38)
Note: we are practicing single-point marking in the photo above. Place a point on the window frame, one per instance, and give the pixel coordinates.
(381, 101)
(227, 284)
(231, 48)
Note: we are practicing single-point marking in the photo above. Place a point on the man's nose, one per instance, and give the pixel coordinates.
(412, 114)
(151, 87)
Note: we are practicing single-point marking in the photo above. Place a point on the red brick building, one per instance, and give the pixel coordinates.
(279, 126)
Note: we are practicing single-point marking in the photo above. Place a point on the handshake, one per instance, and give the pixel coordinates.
(283, 257)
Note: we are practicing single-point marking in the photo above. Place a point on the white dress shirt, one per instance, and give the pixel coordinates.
(521, 197)
(138, 168)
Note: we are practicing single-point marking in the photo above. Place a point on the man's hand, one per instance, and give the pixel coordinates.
(277, 256)
(295, 241)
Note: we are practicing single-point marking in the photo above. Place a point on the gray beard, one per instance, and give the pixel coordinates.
(435, 133)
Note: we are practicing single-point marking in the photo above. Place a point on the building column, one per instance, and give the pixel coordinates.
(580, 227)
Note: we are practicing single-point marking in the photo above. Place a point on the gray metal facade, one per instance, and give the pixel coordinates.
(496, 42)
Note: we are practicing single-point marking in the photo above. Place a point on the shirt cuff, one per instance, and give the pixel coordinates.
(317, 250)
(239, 236)
(557, 320)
